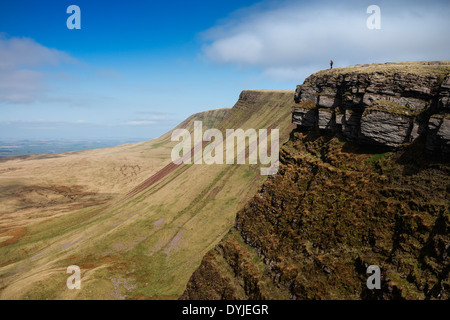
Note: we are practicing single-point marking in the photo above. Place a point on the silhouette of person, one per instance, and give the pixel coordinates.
(331, 64)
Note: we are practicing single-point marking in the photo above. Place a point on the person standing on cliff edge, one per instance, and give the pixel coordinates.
(331, 64)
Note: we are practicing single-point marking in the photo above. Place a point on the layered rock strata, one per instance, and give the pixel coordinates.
(380, 104)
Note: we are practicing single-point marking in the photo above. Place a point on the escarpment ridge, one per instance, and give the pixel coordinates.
(338, 204)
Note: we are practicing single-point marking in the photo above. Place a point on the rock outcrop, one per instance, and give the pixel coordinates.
(380, 104)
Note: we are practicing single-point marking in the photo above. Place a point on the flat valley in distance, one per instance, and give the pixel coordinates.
(13, 147)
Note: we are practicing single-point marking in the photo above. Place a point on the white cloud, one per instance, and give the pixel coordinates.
(140, 123)
(25, 52)
(20, 60)
(295, 37)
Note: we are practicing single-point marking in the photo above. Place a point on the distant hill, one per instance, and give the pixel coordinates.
(9, 148)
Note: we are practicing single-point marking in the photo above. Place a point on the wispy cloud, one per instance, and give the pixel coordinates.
(153, 112)
(144, 121)
(295, 37)
(20, 61)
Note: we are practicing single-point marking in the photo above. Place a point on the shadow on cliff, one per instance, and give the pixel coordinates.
(355, 148)
(414, 158)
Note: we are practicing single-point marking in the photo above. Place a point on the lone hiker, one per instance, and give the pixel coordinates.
(331, 64)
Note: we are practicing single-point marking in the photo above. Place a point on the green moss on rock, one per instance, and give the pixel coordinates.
(306, 105)
(391, 107)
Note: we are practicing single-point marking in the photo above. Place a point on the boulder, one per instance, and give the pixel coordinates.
(438, 138)
(325, 119)
(304, 118)
(385, 128)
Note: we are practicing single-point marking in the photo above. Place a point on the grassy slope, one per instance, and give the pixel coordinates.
(149, 245)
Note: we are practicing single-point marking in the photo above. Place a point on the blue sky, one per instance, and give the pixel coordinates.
(137, 68)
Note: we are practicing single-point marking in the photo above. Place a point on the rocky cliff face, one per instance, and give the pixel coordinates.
(338, 205)
(380, 104)
(332, 210)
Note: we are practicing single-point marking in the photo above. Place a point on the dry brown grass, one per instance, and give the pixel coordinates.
(11, 236)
